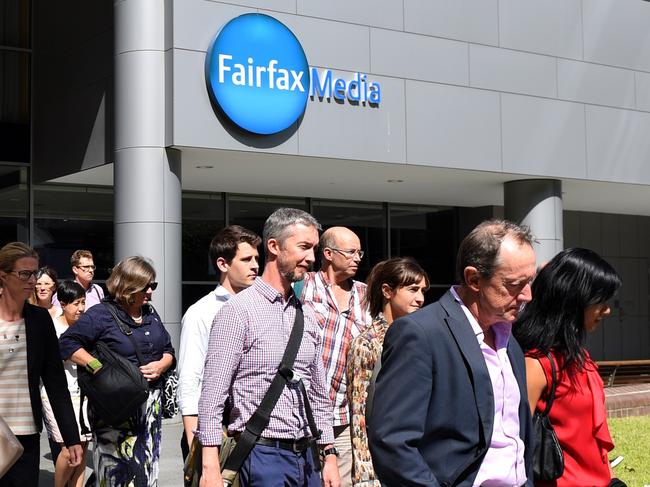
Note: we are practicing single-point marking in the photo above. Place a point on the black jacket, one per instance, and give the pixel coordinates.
(44, 363)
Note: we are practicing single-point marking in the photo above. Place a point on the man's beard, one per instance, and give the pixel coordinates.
(290, 275)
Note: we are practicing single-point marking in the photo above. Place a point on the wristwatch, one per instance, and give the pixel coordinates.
(330, 451)
(93, 366)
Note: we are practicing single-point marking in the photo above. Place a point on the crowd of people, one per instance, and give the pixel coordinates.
(303, 377)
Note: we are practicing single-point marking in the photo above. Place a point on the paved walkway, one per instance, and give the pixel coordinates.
(624, 401)
(621, 401)
(171, 463)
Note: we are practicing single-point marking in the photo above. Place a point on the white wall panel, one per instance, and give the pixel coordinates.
(548, 27)
(543, 137)
(594, 83)
(512, 71)
(378, 13)
(642, 91)
(618, 146)
(415, 56)
(465, 20)
(616, 33)
(448, 126)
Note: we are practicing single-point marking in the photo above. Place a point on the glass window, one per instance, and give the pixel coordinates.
(252, 211)
(14, 106)
(203, 217)
(426, 233)
(67, 218)
(365, 219)
(15, 19)
(14, 204)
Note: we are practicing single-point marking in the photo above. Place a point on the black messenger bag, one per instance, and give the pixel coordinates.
(116, 390)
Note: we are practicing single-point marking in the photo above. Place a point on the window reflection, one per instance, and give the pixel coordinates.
(367, 220)
(67, 218)
(14, 204)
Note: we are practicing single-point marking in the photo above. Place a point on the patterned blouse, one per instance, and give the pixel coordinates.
(362, 357)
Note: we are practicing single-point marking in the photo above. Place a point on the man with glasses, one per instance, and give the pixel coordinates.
(83, 268)
(339, 305)
(450, 404)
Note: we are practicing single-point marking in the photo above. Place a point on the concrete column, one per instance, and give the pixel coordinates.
(147, 176)
(538, 204)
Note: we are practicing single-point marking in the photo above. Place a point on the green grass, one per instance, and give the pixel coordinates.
(632, 439)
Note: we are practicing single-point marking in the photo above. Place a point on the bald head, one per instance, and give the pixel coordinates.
(336, 236)
(340, 251)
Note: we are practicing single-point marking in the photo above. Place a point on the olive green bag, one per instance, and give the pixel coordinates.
(192, 468)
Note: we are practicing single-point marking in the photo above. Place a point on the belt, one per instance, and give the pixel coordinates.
(297, 446)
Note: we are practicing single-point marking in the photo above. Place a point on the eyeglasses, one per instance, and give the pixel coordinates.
(152, 285)
(26, 275)
(349, 253)
(87, 267)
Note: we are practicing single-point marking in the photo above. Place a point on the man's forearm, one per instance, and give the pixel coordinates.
(189, 425)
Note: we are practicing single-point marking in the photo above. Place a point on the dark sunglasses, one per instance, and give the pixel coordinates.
(152, 285)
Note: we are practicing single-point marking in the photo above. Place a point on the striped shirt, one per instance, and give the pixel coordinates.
(339, 328)
(247, 341)
(15, 405)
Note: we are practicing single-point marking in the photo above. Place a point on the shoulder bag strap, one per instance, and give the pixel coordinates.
(551, 396)
(126, 329)
(261, 417)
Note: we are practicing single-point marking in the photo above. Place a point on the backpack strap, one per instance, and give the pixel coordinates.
(126, 329)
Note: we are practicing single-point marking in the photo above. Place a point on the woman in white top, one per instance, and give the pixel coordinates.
(73, 303)
(29, 354)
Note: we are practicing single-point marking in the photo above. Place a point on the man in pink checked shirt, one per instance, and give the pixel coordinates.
(247, 341)
(450, 404)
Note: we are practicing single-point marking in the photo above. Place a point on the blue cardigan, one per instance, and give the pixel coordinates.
(98, 324)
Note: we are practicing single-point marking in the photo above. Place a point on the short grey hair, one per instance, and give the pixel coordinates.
(480, 249)
(277, 226)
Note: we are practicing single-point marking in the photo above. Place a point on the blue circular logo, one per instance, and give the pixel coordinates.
(257, 74)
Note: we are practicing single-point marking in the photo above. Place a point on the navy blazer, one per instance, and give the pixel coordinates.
(433, 409)
(44, 363)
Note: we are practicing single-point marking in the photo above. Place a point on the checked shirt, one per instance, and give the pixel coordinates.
(338, 328)
(247, 341)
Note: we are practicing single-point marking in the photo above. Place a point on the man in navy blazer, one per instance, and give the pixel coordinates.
(450, 405)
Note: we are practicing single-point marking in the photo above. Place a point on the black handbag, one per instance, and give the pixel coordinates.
(548, 459)
(116, 390)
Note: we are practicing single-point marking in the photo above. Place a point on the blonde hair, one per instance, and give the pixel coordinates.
(13, 251)
(128, 277)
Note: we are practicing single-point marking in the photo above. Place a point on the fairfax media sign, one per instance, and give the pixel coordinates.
(258, 75)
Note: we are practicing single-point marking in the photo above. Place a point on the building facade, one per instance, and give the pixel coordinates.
(535, 111)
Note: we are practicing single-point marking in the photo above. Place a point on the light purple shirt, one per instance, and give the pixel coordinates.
(247, 341)
(503, 464)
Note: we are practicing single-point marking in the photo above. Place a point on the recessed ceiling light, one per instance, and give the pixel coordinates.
(205, 167)
(394, 180)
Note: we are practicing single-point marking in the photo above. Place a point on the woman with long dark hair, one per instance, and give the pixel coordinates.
(570, 298)
(396, 288)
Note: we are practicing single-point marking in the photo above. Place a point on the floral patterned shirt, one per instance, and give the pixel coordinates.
(364, 352)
